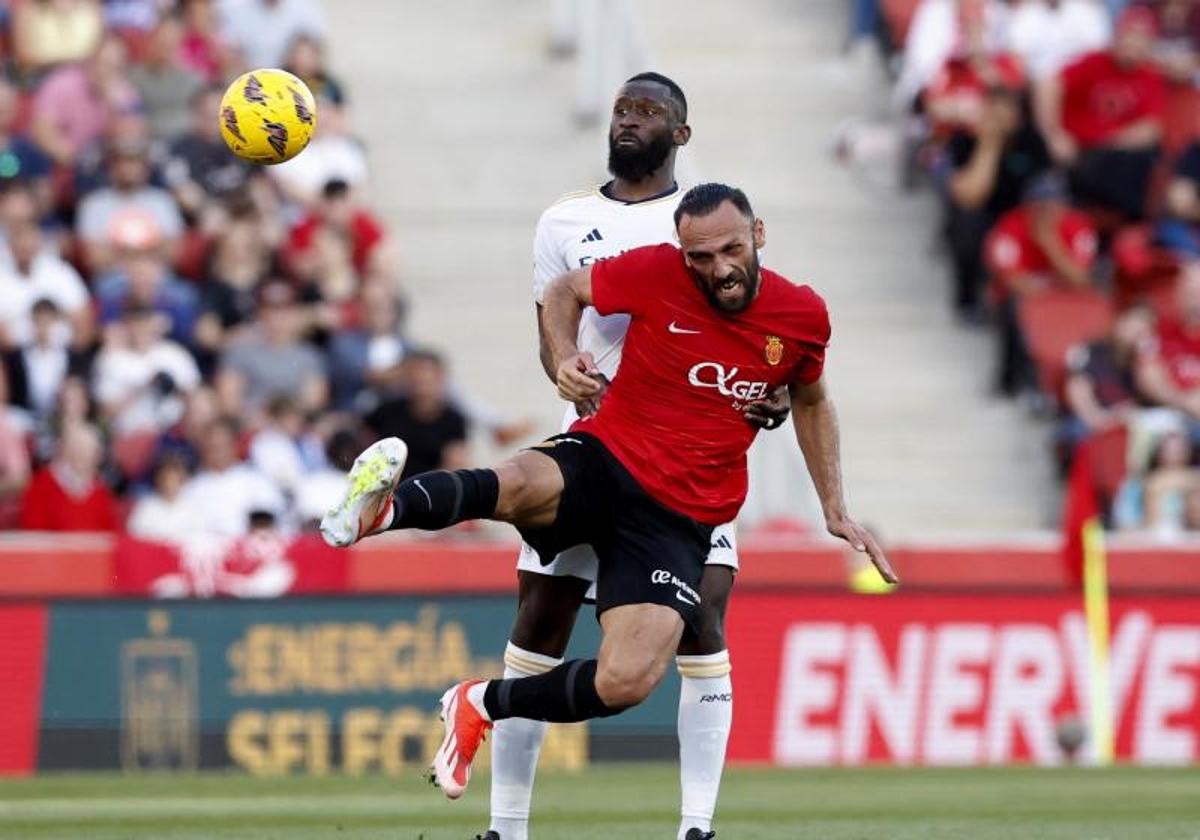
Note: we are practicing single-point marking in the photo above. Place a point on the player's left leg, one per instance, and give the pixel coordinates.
(639, 640)
(705, 705)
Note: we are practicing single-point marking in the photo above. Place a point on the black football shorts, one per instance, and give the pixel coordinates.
(648, 553)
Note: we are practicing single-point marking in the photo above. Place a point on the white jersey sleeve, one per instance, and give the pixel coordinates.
(549, 259)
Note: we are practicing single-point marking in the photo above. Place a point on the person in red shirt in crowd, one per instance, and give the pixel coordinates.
(1107, 112)
(1041, 244)
(1168, 371)
(337, 213)
(67, 494)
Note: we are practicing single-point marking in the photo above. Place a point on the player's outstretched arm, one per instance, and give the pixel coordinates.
(578, 379)
(816, 425)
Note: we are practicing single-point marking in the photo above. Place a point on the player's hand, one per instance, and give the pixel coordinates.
(862, 540)
(769, 413)
(588, 407)
(578, 379)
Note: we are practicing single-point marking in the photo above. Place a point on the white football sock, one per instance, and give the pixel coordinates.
(516, 743)
(705, 718)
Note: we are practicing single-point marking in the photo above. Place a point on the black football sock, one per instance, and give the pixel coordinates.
(435, 500)
(566, 694)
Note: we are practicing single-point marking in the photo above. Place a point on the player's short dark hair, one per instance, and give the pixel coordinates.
(703, 199)
(676, 91)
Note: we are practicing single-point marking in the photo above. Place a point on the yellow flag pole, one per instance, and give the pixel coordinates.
(1095, 598)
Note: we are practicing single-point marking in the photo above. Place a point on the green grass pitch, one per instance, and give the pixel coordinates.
(630, 802)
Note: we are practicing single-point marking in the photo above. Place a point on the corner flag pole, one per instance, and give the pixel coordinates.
(1095, 599)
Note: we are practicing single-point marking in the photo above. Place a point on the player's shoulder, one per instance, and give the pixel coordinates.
(573, 202)
(792, 293)
(800, 305)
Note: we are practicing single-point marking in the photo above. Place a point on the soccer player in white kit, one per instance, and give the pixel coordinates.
(636, 208)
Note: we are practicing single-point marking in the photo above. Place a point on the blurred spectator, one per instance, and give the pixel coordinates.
(142, 278)
(200, 168)
(202, 48)
(165, 86)
(338, 215)
(14, 449)
(29, 273)
(1101, 390)
(1178, 37)
(226, 492)
(333, 155)
(133, 18)
(423, 416)
(1043, 243)
(273, 360)
(50, 32)
(186, 437)
(1047, 35)
(285, 450)
(1168, 372)
(163, 514)
(74, 103)
(20, 158)
(322, 488)
(141, 378)
(36, 372)
(306, 61)
(937, 30)
(954, 99)
(1108, 120)
(130, 212)
(1040, 245)
(261, 30)
(990, 173)
(1158, 501)
(239, 261)
(370, 354)
(67, 494)
(1180, 231)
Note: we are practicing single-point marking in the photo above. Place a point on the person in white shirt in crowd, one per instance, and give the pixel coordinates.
(29, 272)
(163, 514)
(285, 450)
(38, 370)
(225, 490)
(334, 154)
(936, 33)
(141, 378)
(262, 30)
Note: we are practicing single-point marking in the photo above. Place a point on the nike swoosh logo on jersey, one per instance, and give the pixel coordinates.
(678, 330)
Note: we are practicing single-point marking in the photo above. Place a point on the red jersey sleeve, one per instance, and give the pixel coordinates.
(619, 284)
(813, 339)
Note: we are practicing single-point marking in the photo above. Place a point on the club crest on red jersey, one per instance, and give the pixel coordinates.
(774, 350)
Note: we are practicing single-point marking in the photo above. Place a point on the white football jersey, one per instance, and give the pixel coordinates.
(583, 227)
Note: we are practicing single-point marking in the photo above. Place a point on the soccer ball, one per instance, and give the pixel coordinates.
(267, 116)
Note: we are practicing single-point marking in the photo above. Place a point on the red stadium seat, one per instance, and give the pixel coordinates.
(1055, 321)
(1181, 122)
(133, 453)
(1143, 270)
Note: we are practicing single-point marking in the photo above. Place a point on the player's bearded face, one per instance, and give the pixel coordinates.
(633, 156)
(730, 288)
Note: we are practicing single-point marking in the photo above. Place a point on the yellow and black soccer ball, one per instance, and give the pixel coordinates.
(267, 116)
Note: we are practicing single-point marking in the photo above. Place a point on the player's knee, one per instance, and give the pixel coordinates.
(622, 687)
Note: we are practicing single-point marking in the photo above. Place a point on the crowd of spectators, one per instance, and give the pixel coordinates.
(1064, 139)
(189, 343)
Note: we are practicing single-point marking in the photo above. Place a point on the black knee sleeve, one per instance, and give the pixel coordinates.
(435, 500)
(566, 694)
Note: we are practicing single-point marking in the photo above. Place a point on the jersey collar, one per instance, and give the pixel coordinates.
(603, 189)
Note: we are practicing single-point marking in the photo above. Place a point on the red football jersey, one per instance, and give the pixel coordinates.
(1179, 348)
(1011, 251)
(1100, 97)
(673, 413)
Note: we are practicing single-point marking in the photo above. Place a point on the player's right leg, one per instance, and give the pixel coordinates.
(523, 491)
(548, 602)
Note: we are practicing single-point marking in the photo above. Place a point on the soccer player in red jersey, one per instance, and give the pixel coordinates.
(646, 477)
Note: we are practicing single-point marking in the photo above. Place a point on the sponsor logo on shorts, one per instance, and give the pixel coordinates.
(726, 697)
(714, 375)
(683, 591)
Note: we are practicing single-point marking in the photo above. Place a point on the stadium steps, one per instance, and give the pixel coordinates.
(471, 135)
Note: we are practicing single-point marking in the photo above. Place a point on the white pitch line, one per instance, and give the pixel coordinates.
(116, 808)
